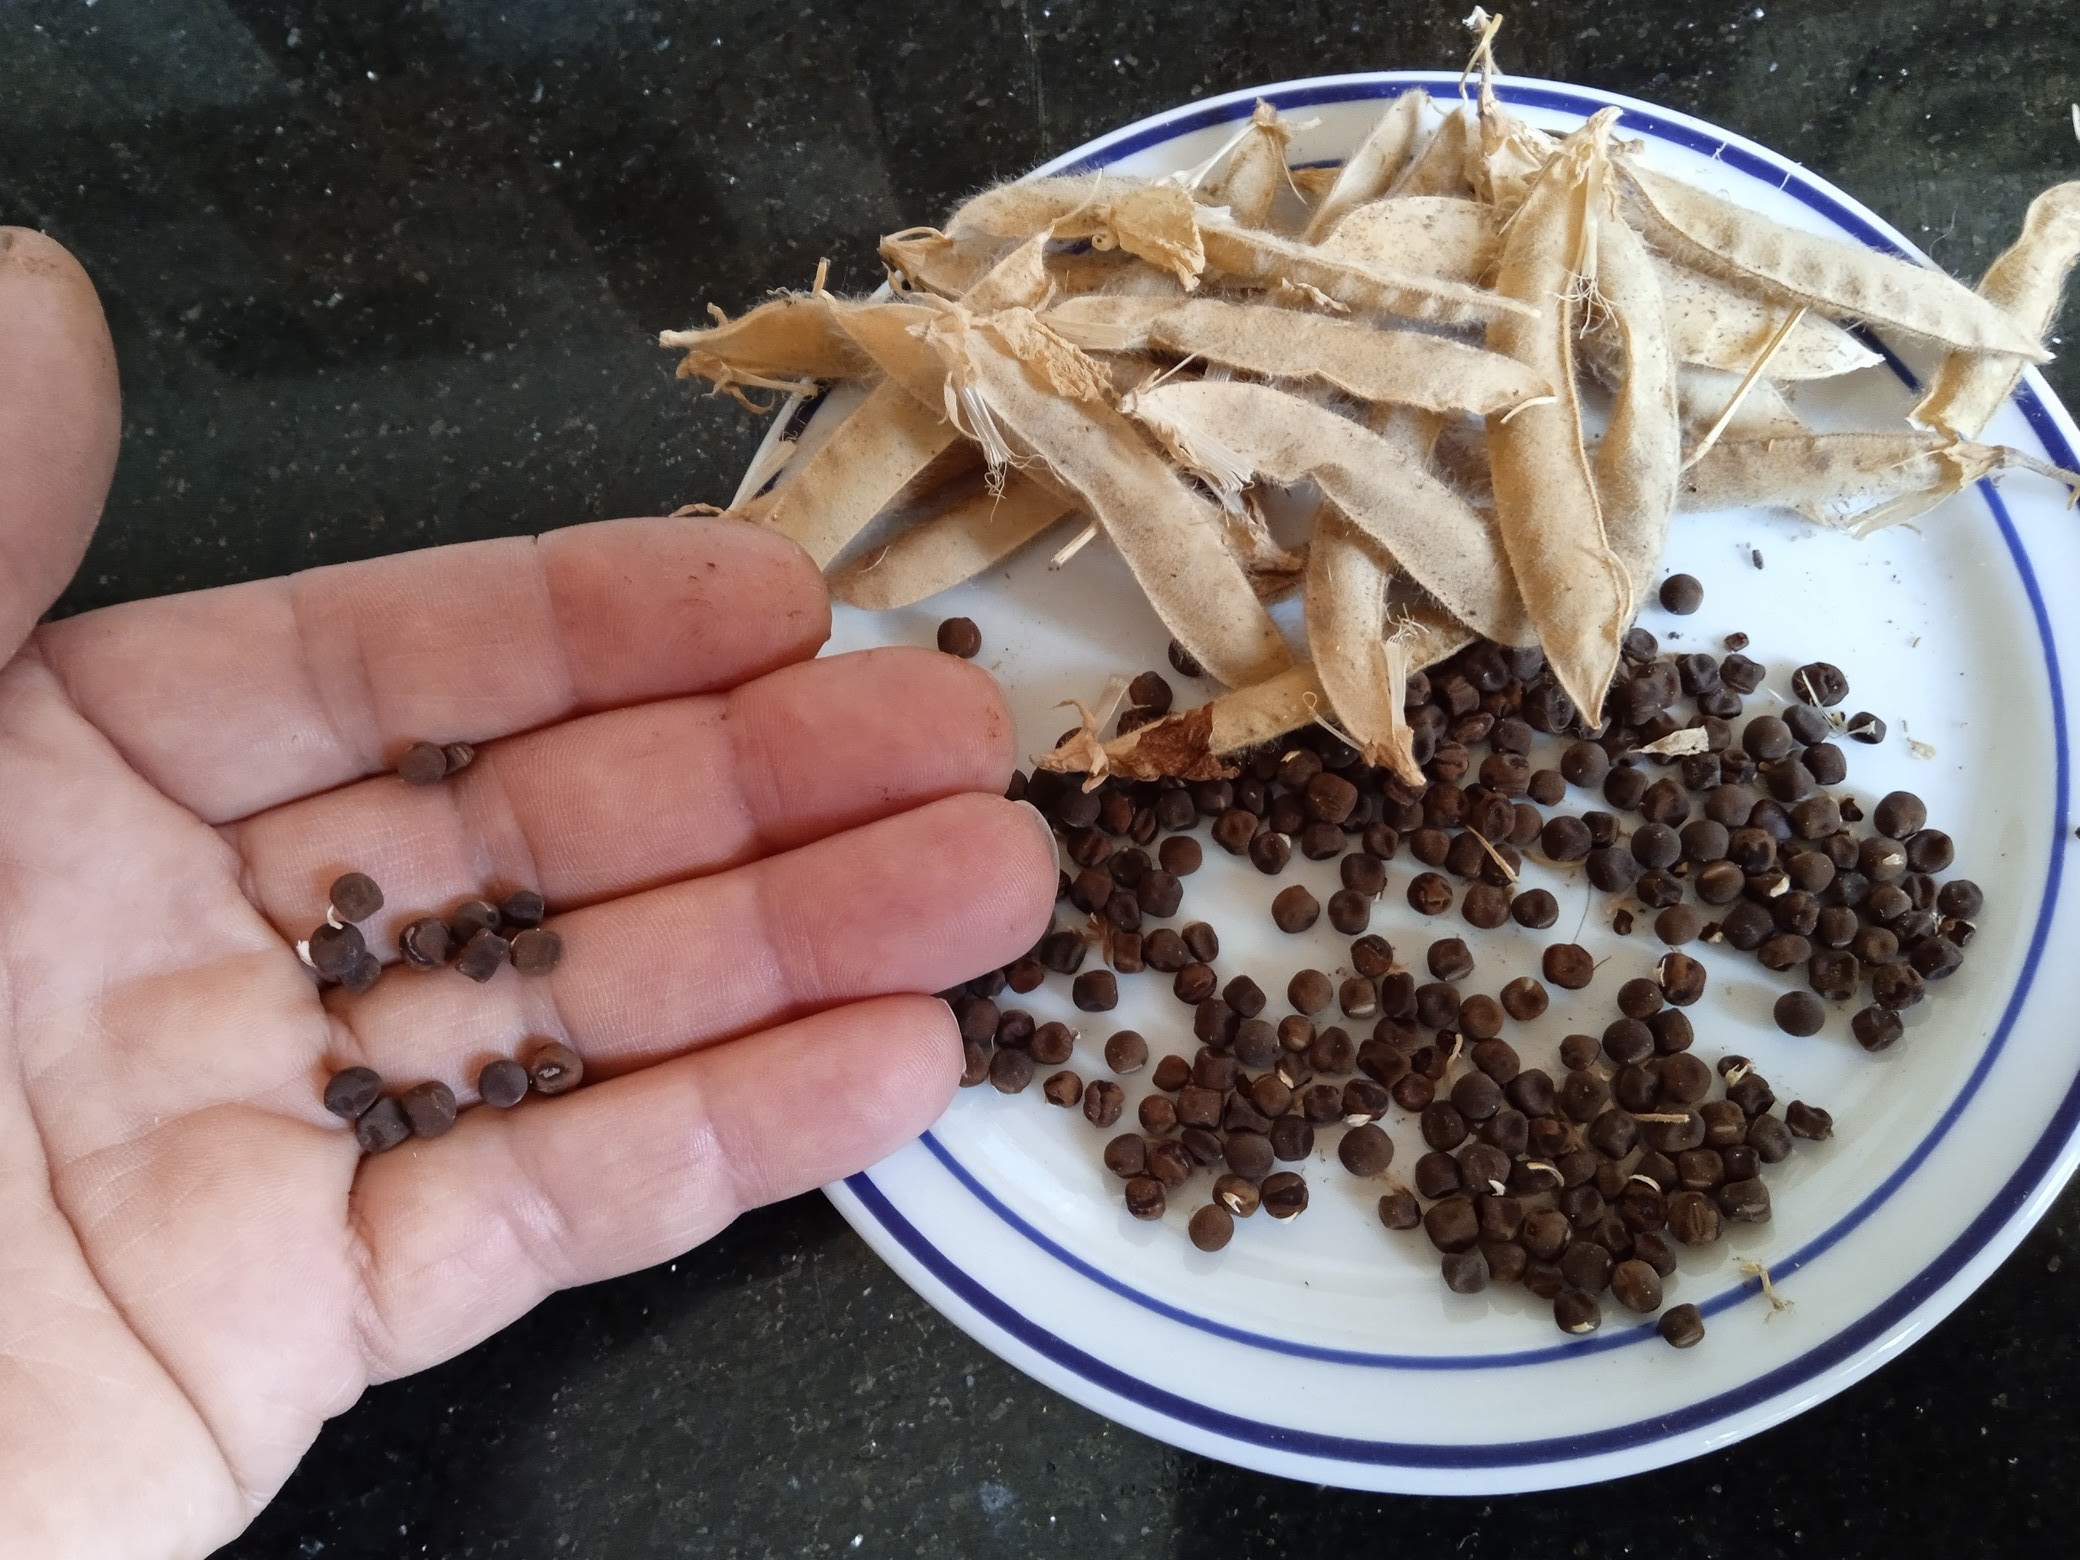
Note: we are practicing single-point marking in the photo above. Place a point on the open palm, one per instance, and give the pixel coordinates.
(752, 857)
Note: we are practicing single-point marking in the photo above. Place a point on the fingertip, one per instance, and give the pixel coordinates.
(60, 422)
(1027, 866)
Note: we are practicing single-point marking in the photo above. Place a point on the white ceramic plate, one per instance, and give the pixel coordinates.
(1327, 1349)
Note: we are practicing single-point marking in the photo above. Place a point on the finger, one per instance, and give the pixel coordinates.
(917, 902)
(464, 1234)
(609, 804)
(242, 698)
(60, 423)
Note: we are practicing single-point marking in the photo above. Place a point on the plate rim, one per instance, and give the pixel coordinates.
(1901, 1318)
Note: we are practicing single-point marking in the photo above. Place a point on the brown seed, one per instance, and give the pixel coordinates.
(1366, 1150)
(355, 896)
(1095, 991)
(1682, 1326)
(1808, 1121)
(351, 1091)
(1636, 1286)
(1350, 911)
(536, 951)
(960, 636)
(1126, 1156)
(429, 1107)
(1576, 1312)
(1063, 1088)
(556, 1069)
(1452, 1224)
(382, 1127)
(1212, 1227)
(1534, 908)
(422, 764)
(1310, 991)
(1295, 909)
(1525, 999)
(502, 1083)
(1144, 1197)
(1283, 1195)
(483, 955)
(521, 908)
(1237, 1194)
(1694, 1219)
(1568, 966)
(1010, 1070)
(1429, 893)
(424, 943)
(335, 951)
(1682, 979)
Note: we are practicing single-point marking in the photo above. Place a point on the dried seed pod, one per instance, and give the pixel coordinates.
(1847, 281)
(1363, 671)
(975, 531)
(1254, 174)
(1165, 532)
(1189, 744)
(1406, 367)
(1386, 153)
(1251, 258)
(1158, 223)
(1637, 462)
(1437, 235)
(1448, 161)
(786, 345)
(1233, 429)
(1715, 325)
(1578, 594)
(2024, 283)
(1854, 481)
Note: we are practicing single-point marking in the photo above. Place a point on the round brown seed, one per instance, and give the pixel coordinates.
(1144, 1198)
(502, 1083)
(382, 1127)
(1295, 909)
(1010, 1070)
(1365, 1150)
(354, 896)
(1212, 1227)
(1063, 1088)
(1576, 1312)
(960, 636)
(1682, 594)
(422, 764)
(1682, 1326)
(351, 1091)
(536, 951)
(1569, 966)
(1284, 1195)
(429, 1107)
(1095, 991)
(1525, 999)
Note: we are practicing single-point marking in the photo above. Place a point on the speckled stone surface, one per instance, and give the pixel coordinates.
(386, 275)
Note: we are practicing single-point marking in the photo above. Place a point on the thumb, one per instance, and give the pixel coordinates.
(60, 422)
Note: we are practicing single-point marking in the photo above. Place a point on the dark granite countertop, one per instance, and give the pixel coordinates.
(384, 275)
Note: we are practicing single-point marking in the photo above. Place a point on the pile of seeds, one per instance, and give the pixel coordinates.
(1718, 825)
(478, 939)
(1414, 336)
(428, 1110)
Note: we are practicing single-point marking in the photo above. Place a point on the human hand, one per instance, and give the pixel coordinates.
(754, 858)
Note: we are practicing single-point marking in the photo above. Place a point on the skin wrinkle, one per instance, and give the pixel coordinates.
(250, 1498)
(365, 743)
